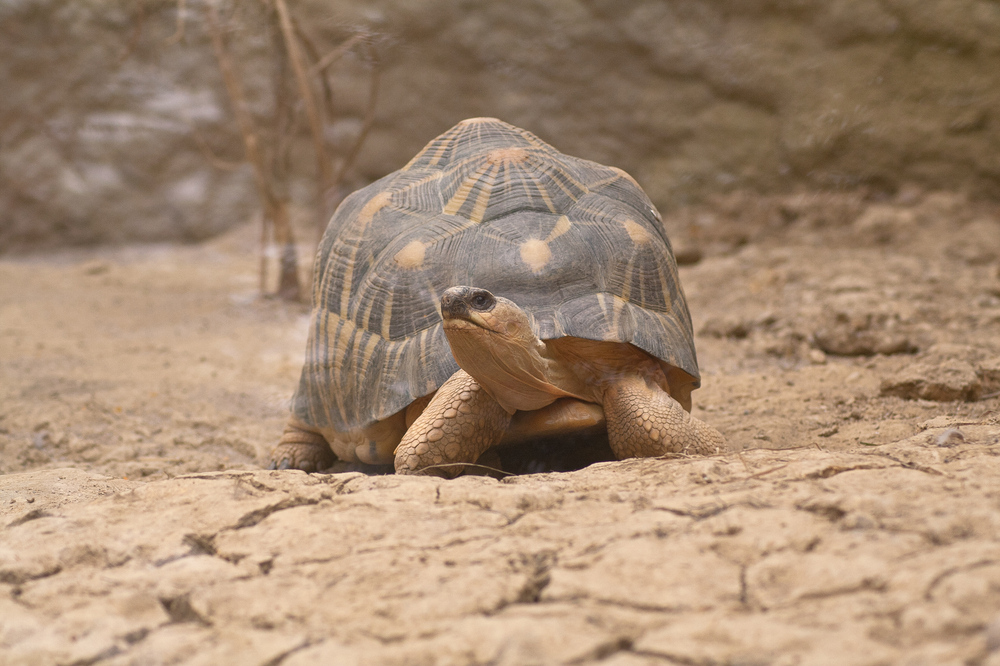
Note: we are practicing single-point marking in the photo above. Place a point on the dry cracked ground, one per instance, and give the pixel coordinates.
(851, 355)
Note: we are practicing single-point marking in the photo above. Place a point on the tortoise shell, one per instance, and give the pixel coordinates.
(577, 245)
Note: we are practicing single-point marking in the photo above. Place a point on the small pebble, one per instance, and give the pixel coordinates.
(95, 267)
(817, 357)
(950, 437)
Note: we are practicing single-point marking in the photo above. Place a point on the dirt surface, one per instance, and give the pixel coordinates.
(850, 352)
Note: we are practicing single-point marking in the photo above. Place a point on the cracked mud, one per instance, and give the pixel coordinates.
(856, 521)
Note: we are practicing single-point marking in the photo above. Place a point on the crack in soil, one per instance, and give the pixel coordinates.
(697, 513)
(910, 465)
(538, 579)
(744, 588)
(278, 659)
(827, 510)
(834, 470)
(929, 592)
(109, 653)
(180, 610)
(394, 547)
(674, 658)
(257, 515)
(605, 650)
(866, 585)
(631, 605)
(34, 514)
(18, 578)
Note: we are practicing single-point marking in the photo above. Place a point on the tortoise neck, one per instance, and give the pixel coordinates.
(518, 372)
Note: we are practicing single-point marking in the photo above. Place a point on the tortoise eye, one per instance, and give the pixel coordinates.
(482, 300)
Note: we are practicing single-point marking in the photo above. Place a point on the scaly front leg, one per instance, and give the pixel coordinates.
(644, 421)
(458, 425)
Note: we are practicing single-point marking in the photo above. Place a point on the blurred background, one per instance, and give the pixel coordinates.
(130, 121)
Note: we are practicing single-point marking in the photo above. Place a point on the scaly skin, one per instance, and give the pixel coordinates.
(300, 448)
(514, 371)
(458, 426)
(644, 421)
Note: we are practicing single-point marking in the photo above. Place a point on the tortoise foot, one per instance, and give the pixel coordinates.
(461, 422)
(301, 449)
(644, 421)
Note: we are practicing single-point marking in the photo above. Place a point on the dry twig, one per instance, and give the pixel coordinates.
(369, 120)
(133, 40)
(271, 162)
(320, 66)
(275, 209)
(179, 32)
(323, 175)
(207, 153)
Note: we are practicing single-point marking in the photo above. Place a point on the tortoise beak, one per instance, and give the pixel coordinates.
(453, 305)
(467, 304)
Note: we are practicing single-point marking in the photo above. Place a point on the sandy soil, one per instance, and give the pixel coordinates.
(850, 352)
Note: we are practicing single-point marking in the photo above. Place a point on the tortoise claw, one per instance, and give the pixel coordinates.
(286, 463)
(300, 450)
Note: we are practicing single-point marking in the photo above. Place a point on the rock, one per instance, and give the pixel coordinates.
(944, 381)
(977, 242)
(95, 267)
(884, 224)
(727, 327)
(766, 99)
(817, 357)
(844, 334)
(989, 376)
(950, 437)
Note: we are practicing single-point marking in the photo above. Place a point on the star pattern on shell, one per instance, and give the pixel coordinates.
(578, 245)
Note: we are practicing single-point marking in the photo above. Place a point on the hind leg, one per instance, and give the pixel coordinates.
(644, 421)
(461, 422)
(301, 448)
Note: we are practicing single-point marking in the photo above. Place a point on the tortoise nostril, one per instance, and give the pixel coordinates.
(452, 305)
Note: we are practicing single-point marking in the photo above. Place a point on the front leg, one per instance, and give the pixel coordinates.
(301, 447)
(644, 421)
(458, 425)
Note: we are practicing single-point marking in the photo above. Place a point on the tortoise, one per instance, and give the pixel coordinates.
(492, 291)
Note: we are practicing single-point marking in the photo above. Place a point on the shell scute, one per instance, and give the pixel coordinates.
(578, 245)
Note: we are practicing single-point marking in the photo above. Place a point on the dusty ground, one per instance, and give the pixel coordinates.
(850, 350)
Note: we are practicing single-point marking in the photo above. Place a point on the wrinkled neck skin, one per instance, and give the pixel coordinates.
(510, 362)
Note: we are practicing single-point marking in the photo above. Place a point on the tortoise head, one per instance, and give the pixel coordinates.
(477, 311)
(491, 339)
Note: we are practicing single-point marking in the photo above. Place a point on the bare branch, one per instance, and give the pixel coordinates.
(206, 150)
(133, 40)
(264, 235)
(179, 32)
(310, 46)
(333, 56)
(243, 118)
(323, 174)
(275, 208)
(369, 121)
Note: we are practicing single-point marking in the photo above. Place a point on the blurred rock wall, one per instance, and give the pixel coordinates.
(95, 130)
(693, 97)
